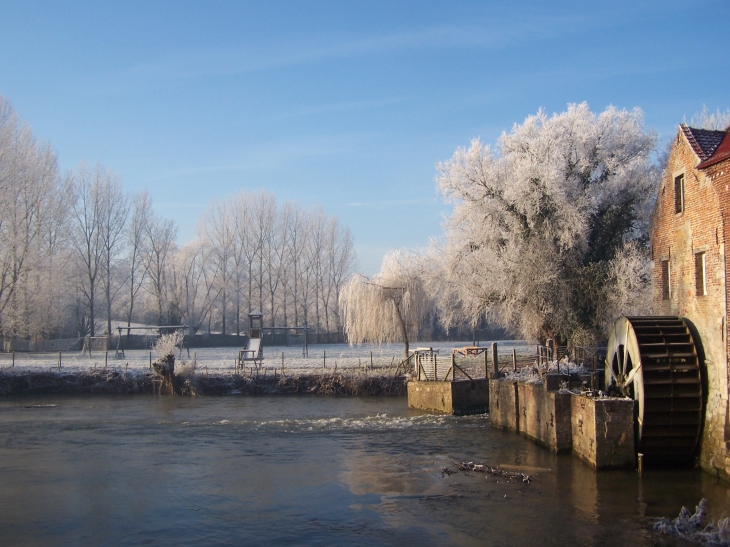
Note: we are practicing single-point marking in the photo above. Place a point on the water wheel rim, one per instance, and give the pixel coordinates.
(672, 406)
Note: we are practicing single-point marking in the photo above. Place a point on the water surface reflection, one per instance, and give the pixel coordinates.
(304, 471)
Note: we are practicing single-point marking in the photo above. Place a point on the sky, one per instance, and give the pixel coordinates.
(344, 105)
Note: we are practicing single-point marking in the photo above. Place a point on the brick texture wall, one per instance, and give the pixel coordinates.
(678, 237)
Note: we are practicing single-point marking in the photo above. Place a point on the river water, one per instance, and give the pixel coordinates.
(283, 470)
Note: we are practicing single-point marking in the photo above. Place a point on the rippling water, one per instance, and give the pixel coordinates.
(305, 471)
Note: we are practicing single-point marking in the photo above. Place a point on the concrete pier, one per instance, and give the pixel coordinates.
(458, 397)
(598, 431)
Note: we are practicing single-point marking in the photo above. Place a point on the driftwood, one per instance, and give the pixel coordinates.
(488, 469)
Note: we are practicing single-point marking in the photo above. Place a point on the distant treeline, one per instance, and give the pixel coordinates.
(77, 251)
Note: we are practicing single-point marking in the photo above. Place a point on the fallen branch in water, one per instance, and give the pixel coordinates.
(483, 468)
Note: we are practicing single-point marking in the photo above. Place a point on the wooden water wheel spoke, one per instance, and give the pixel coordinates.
(654, 361)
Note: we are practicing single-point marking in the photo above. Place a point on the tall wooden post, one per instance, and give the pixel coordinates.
(514, 360)
(486, 364)
(495, 360)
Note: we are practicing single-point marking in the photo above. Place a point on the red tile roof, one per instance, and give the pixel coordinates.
(704, 142)
(722, 152)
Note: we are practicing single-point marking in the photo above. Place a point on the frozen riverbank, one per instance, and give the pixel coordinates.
(112, 381)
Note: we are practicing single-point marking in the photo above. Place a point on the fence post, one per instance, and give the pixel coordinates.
(324, 359)
(486, 364)
(453, 366)
(282, 364)
(514, 360)
(106, 358)
(150, 360)
(371, 360)
(13, 358)
(495, 359)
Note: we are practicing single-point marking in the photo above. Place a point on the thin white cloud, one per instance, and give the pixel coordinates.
(389, 203)
(201, 62)
(330, 108)
(268, 156)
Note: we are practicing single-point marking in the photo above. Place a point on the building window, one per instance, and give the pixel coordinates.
(666, 278)
(701, 273)
(679, 194)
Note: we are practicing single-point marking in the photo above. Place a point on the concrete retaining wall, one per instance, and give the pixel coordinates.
(603, 431)
(599, 431)
(457, 397)
(545, 416)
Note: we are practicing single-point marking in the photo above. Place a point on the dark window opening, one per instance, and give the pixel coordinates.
(701, 274)
(679, 194)
(665, 280)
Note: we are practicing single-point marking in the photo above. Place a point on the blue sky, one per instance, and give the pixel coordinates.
(348, 105)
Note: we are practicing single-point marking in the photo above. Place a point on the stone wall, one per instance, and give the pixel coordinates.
(602, 431)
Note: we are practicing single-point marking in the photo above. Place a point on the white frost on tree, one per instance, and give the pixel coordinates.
(548, 231)
(388, 308)
(711, 120)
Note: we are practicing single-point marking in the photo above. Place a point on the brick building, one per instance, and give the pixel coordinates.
(690, 226)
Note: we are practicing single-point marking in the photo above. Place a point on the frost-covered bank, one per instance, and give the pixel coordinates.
(111, 381)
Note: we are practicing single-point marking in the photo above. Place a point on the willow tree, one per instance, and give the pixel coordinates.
(548, 232)
(388, 308)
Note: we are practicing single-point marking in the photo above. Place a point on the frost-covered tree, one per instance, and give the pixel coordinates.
(388, 308)
(548, 231)
(31, 224)
(711, 120)
(161, 234)
(138, 253)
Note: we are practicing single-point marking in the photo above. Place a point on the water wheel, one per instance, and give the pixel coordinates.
(654, 361)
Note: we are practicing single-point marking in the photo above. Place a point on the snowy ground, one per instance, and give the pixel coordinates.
(322, 357)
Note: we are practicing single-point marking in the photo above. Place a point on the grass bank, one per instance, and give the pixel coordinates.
(111, 381)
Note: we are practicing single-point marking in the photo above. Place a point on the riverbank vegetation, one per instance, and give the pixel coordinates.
(547, 238)
(113, 381)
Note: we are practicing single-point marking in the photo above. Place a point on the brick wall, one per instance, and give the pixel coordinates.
(677, 237)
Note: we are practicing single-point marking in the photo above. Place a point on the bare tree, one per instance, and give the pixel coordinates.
(138, 251)
(87, 237)
(217, 229)
(193, 292)
(113, 221)
(161, 234)
(341, 259)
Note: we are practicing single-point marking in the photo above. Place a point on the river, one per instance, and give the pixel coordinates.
(284, 470)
